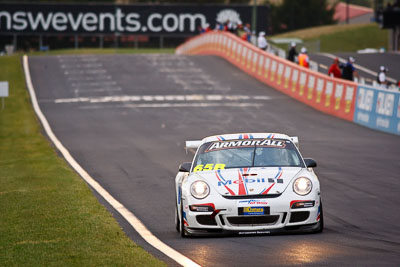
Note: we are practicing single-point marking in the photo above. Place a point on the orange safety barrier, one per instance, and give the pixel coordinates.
(330, 95)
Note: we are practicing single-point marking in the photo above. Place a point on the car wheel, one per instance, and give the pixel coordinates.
(177, 226)
(181, 223)
(321, 221)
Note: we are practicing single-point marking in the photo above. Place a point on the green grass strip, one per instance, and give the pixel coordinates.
(342, 38)
(48, 215)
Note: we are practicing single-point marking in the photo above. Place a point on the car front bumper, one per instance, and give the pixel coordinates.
(226, 216)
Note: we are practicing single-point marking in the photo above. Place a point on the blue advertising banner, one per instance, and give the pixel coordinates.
(378, 109)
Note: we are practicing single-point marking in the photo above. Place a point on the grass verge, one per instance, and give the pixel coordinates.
(342, 38)
(49, 216)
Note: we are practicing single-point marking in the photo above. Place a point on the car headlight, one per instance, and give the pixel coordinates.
(302, 186)
(199, 189)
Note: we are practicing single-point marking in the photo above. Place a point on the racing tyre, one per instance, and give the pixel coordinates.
(177, 226)
(181, 223)
(321, 222)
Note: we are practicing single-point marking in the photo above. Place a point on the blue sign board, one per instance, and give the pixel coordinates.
(378, 109)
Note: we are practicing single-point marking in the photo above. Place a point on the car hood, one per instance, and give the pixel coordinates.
(250, 181)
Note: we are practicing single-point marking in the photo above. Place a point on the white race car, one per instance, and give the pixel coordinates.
(247, 184)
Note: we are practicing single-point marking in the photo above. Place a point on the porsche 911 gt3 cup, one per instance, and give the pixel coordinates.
(247, 184)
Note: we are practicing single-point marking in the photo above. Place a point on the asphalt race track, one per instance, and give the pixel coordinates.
(125, 118)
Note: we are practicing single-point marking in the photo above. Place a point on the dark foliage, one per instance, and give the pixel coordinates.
(293, 15)
(136, 1)
(366, 3)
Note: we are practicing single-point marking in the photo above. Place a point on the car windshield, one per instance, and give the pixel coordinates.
(247, 153)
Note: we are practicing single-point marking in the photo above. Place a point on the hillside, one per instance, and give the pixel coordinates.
(341, 38)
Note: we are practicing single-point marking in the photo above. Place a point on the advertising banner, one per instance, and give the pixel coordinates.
(378, 109)
(329, 95)
(124, 19)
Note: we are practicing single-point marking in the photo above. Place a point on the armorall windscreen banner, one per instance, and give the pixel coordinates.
(124, 19)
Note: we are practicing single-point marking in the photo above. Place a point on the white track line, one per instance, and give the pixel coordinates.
(373, 73)
(178, 105)
(322, 66)
(158, 98)
(129, 216)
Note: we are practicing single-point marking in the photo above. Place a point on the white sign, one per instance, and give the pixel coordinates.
(303, 77)
(249, 55)
(339, 90)
(3, 89)
(311, 81)
(329, 88)
(260, 61)
(280, 69)
(273, 67)
(295, 75)
(365, 99)
(398, 110)
(384, 104)
(320, 85)
(349, 93)
(255, 57)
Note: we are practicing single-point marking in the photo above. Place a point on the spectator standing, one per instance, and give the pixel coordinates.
(207, 27)
(304, 60)
(334, 69)
(292, 54)
(247, 30)
(381, 78)
(349, 71)
(262, 42)
(201, 29)
(226, 25)
(219, 27)
(253, 38)
(231, 26)
(235, 29)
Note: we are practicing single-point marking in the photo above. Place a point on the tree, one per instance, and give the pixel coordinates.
(366, 3)
(293, 14)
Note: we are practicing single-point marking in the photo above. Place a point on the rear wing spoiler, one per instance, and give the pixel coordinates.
(192, 145)
(295, 140)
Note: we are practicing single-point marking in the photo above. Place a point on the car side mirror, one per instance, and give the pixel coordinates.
(310, 163)
(185, 167)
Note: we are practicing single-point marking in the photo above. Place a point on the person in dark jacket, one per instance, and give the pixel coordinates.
(292, 54)
(349, 71)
